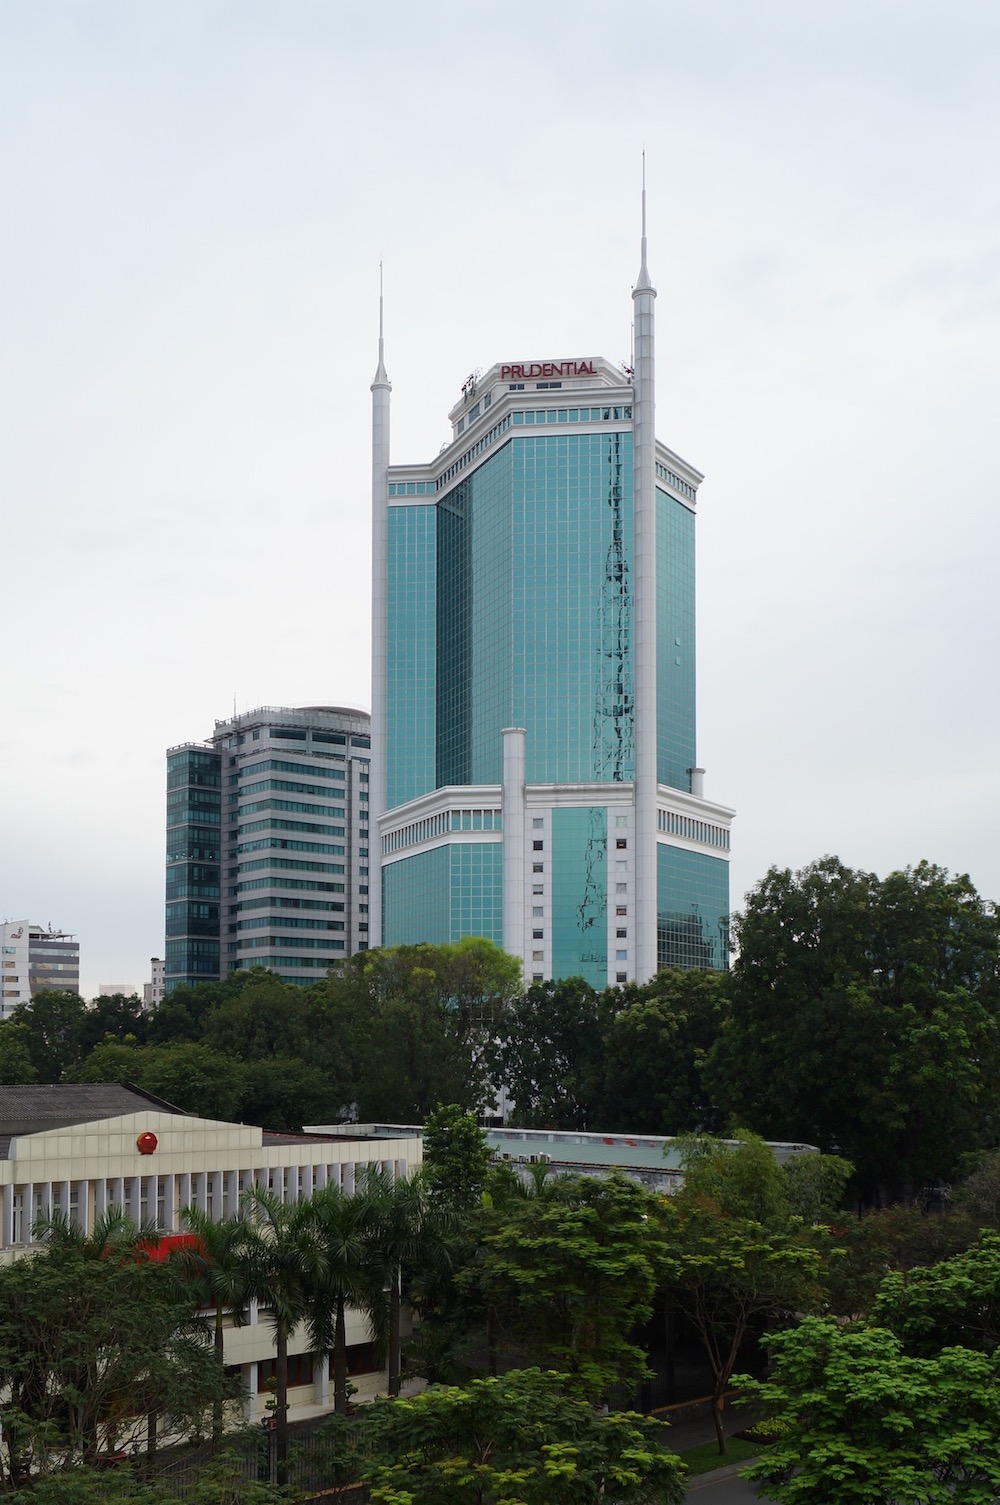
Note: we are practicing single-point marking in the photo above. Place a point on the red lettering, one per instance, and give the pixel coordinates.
(504, 373)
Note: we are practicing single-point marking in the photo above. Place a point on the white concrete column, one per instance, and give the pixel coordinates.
(381, 390)
(251, 1393)
(306, 1189)
(216, 1183)
(232, 1194)
(184, 1197)
(100, 1197)
(84, 1214)
(320, 1177)
(8, 1216)
(643, 903)
(133, 1198)
(513, 817)
(169, 1202)
(321, 1381)
(118, 1193)
(28, 1217)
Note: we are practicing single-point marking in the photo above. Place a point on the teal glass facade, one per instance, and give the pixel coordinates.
(675, 643)
(194, 842)
(579, 866)
(444, 894)
(512, 606)
(692, 904)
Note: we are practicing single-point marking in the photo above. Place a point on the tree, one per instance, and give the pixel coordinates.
(978, 1196)
(287, 1267)
(862, 1421)
(114, 1017)
(956, 1301)
(91, 1344)
(218, 1267)
(456, 1157)
(654, 1050)
(548, 1056)
(16, 1065)
(351, 1273)
(573, 1278)
(734, 1259)
(864, 1019)
(53, 1023)
(516, 1440)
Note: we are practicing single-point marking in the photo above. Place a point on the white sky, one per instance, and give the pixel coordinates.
(195, 200)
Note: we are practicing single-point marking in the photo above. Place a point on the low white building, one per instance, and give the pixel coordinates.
(81, 1150)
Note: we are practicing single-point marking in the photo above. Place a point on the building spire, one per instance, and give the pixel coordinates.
(643, 283)
(380, 379)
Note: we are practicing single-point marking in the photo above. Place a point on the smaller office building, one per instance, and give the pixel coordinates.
(35, 958)
(81, 1150)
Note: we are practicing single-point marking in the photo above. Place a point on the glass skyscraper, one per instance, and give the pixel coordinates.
(534, 678)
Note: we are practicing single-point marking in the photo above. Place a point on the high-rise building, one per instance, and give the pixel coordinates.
(533, 701)
(35, 959)
(267, 845)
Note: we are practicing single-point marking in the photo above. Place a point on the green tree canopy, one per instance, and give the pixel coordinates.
(516, 1440)
(549, 1055)
(864, 1019)
(863, 1421)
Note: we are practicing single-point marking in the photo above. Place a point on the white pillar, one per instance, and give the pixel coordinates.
(381, 390)
(133, 1199)
(643, 902)
(513, 818)
(321, 1380)
(28, 1215)
(100, 1197)
(8, 1216)
(184, 1197)
(169, 1202)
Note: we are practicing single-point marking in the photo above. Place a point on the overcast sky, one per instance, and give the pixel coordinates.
(196, 197)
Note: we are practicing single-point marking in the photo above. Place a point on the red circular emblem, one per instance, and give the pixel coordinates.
(146, 1143)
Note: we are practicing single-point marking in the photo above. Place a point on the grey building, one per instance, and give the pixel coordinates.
(268, 845)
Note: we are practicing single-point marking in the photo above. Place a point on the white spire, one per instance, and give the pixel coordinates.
(643, 283)
(380, 379)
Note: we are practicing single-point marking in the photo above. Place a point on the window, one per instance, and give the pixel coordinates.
(621, 888)
(300, 1371)
(621, 977)
(537, 846)
(537, 822)
(538, 935)
(538, 956)
(537, 912)
(537, 977)
(621, 956)
(621, 843)
(621, 934)
(536, 867)
(621, 909)
(537, 888)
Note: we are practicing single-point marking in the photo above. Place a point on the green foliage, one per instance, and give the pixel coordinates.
(956, 1301)
(736, 1260)
(54, 1022)
(550, 1055)
(16, 1065)
(866, 1422)
(456, 1157)
(516, 1440)
(978, 1197)
(89, 1344)
(864, 1019)
(815, 1186)
(653, 1052)
(571, 1277)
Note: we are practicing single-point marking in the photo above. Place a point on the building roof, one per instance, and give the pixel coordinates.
(59, 1105)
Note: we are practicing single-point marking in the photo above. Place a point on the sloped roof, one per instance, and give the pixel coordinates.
(59, 1105)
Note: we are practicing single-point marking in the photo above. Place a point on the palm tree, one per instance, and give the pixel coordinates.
(406, 1231)
(353, 1276)
(286, 1268)
(114, 1232)
(218, 1267)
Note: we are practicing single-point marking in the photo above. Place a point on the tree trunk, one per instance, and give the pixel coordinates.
(394, 1305)
(281, 1412)
(217, 1414)
(340, 1360)
(718, 1402)
(152, 1432)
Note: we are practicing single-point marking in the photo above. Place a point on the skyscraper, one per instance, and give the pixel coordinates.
(267, 845)
(533, 701)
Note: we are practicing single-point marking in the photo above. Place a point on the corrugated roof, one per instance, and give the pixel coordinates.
(31, 1110)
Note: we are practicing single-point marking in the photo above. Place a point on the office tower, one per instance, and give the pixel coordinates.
(267, 845)
(35, 959)
(533, 701)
